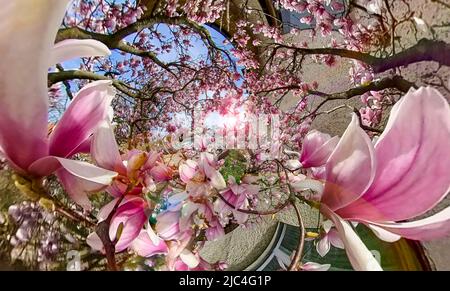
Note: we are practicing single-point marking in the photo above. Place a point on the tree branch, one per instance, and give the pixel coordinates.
(424, 50)
(116, 40)
(277, 209)
(396, 82)
(301, 239)
(102, 231)
(63, 76)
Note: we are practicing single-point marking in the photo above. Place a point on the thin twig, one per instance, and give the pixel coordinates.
(301, 239)
(277, 209)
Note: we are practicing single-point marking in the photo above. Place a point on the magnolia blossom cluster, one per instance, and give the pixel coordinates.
(268, 31)
(204, 11)
(101, 16)
(200, 11)
(166, 202)
(320, 13)
(159, 215)
(379, 185)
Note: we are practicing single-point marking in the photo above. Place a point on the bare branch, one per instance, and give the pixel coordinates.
(63, 76)
(396, 82)
(301, 239)
(424, 50)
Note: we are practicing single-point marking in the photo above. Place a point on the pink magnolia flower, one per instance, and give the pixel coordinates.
(200, 177)
(131, 214)
(237, 195)
(301, 183)
(316, 149)
(403, 176)
(202, 216)
(28, 32)
(140, 169)
(168, 223)
(328, 239)
(150, 243)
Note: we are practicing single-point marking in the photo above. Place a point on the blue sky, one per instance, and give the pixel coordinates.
(197, 51)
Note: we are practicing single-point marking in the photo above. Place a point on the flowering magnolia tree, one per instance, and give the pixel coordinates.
(107, 144)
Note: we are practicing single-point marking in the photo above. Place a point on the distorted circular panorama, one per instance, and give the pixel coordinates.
(224, 135)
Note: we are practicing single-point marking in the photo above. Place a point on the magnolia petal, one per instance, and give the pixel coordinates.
(323, 246)
(106, 209)
(179, 265)
(240, 217)
(77, 188)
(189, 258)
(316, 149)
(335, 240)
(293, 164)
(175, 249)
(161, 172)
(311, 266)
(80, 169)
(216, 179)
(117, 188)
(27, 31)
(207, 158)
(186, 214)
(153, 159)
(167, 225)
(87, 110)
(350, 168)
(241, 203)
(433, 227)
(187, 170)
(145, 247)
(384, 234)
(152, 234)
(412, 173)
(220, 206)
(311, 184)
(104, 149)
(78, 178)
(131, 215)
(85, 147)
(214, 232)
(77, 48)
(359, 256)
(94, 241)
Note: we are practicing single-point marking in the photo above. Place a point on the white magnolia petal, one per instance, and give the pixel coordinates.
(77, 48)
(384, 234)
(189, 258)
(27, 30)
(152, 235)
(358, 254)
(94, 241)
(323, 246)
(88, 171)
